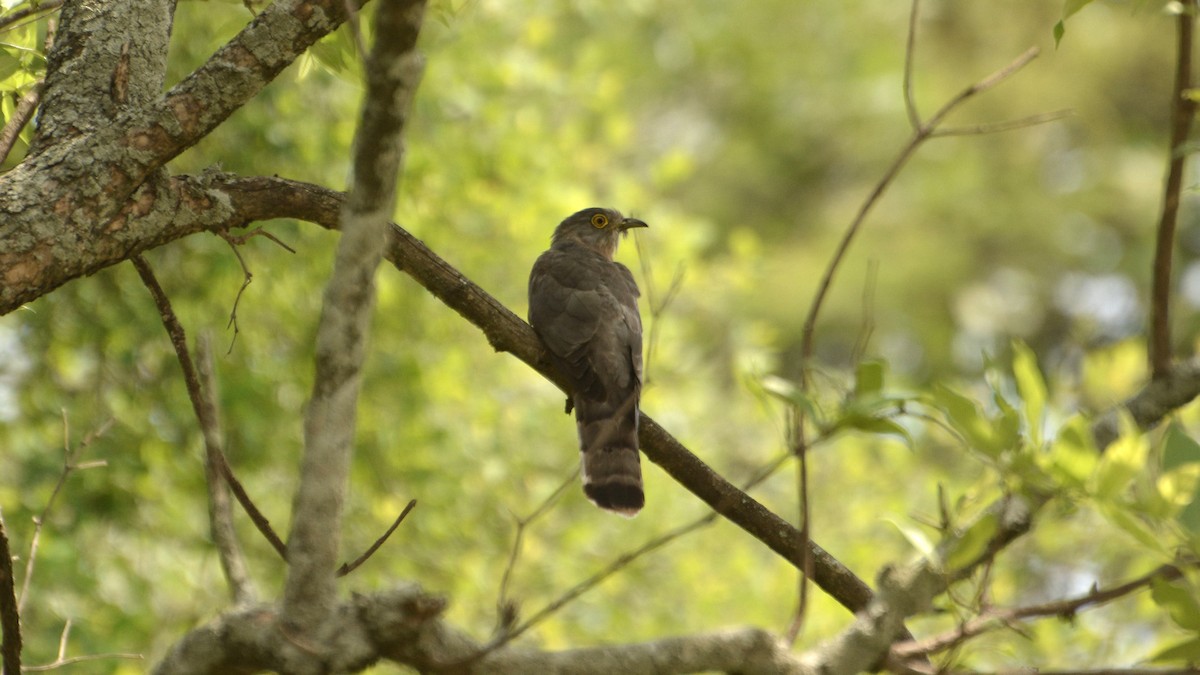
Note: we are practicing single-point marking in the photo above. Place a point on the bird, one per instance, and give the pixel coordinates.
(583, 305)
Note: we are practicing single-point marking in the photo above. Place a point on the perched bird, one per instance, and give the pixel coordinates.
(583, 306)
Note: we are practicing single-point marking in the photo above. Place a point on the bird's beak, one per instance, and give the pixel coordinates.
(629, 223)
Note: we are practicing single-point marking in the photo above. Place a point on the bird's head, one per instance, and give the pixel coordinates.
(596, 228)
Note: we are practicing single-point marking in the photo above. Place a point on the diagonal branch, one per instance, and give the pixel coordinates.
(263, 198)
(202, 405)
(1061, 608)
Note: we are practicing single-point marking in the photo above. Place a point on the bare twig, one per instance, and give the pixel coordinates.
(996, 618)
(347, 568)
(10, 617)
(63, 660)
(234, 242)
(69, 466)
(910, 48)
(9, 21)
(508, 633)
(1183, 109)
(502, 603)
(24, 112)
(203, 410)
(247, 277)
(657, 305)
(921, 133)
(220, 513)
(1000, 127)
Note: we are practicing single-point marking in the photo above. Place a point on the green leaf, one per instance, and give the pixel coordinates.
(1122, 460)
(789, 392)
(868, 378)
(917, 538)
(1007, 426)
(1179, 448)
(876, 425)
(1134, 527)
(1073, 455)
(965, 416)
(1032, 388)
(1179, 599)
(972, 543)
(1187, 651)
(1189, 517)
(1070, 7)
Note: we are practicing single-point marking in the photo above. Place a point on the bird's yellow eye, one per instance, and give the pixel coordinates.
(600, 221)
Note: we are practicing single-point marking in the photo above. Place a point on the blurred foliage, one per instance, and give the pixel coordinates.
(747, 134)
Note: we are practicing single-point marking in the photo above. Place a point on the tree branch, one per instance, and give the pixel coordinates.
(220, 513)
(993, 618)
(404, 625)
(10, 616)
(1183, 109)
(393, 72)
(21, 116)
(203, 405)
(102, 192)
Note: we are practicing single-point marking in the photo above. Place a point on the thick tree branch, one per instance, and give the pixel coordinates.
(95, 70)
(405, 626)
(92, 213)
(10, 617)
(393, 71)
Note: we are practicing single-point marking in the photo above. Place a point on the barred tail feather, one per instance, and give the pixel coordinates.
(608, 447)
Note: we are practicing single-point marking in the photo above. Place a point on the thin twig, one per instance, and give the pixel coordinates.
(47, 6)
(192, 382)
(867, 325)
(10, 616)
(1000, 127)
(921, 134)
(995, 618)
(1183, 109)
(69, 466)
(21, 116)
(220, 512)
(657, 306)
(502, 603)
(80, 659)
(347, 568)
(624, 560)
(247, 277)
(910, 48)
(234, 242)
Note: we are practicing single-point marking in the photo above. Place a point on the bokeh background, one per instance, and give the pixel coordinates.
(747, 135)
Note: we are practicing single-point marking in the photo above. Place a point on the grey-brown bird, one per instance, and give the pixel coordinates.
(583, 305)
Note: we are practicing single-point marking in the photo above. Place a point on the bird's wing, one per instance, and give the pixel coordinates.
(583, 309)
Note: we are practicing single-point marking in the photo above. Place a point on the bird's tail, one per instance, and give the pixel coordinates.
(608, 447)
